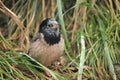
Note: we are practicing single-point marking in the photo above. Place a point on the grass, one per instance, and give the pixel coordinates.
(90, 29)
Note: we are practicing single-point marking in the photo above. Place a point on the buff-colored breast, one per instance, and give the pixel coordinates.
(44, 53)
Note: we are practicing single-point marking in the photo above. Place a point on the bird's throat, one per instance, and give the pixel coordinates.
(51, 37)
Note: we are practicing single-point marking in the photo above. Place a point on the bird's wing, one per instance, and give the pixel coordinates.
(34, 43)
(37, 46)
(36, 37)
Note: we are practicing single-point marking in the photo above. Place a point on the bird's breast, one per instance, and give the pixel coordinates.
(45, 53)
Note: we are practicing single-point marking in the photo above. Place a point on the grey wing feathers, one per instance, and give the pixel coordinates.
(36, 37)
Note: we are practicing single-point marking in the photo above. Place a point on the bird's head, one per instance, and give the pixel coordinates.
(50, 28)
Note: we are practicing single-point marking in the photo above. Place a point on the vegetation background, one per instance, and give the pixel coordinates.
(91, 29)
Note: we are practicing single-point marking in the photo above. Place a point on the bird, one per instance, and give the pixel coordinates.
(47, 46)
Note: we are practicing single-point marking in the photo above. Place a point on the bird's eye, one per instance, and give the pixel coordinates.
(50, 25)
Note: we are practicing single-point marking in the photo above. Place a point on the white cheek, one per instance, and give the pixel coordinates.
(57, 31)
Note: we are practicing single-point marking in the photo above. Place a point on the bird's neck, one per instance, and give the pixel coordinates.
(52, 38)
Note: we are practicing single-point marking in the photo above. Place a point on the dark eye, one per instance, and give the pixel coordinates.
(50, 25)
